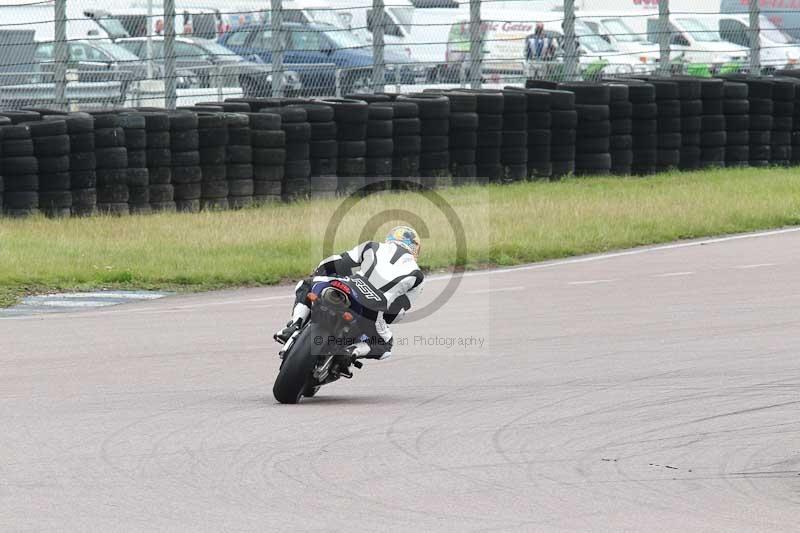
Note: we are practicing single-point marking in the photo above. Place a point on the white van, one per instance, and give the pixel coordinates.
(417, 29)
(616, 29)
(39, 18)
(699, 41)
(779, 50)
(133, 21)
(505, 40)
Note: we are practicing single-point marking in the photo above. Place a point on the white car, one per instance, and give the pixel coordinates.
(699, 41)
(778, 49)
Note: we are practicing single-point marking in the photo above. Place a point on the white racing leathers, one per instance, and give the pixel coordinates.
(389, 268)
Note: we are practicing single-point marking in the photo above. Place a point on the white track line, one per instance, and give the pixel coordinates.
(591, 282)
(614, 255)
(758, 265)
(673, 274)
(499, 289)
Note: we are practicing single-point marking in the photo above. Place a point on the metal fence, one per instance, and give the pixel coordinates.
(81, 53)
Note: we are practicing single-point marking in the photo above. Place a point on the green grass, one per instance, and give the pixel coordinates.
(504, 225)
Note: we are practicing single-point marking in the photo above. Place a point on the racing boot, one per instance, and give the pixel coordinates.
(300, 313)
(286, 333)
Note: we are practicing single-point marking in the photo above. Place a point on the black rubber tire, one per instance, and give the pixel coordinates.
(240, 137)
(588, 92)
(54, 164)
(109, 138)
(214, 173)
(347, 110)
(183, 159)
(406, 126)
(239, 171)
(83, 179)
(269, 156)
(14, 166)
(761, 122)
(47, 128)
(188, 174)
(405, 145)
(17, 148)
(323, 131)
(348, 149)
(84, 197)
(82, 161)
(158, 139)
(19, 200)
(761, 106)
(432, 105)
(184, 140)
(182, 120)
(351, 167)
(318, 112)
(238, 154)
(324, 149)
(463, 139)
(297, 169)
(691, 108)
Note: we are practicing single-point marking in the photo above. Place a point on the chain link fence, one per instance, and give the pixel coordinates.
(79, 54)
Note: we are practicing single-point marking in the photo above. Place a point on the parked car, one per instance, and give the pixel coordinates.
(614, 28)
(778, 49)
(316, 52)
(95, 61)
(701, 43)
(211, 65)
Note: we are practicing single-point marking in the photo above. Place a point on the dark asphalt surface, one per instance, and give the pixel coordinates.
(656, 390)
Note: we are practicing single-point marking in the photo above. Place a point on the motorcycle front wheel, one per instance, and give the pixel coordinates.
(298, 364)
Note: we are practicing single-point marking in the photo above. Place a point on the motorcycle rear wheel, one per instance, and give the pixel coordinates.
(296, 371)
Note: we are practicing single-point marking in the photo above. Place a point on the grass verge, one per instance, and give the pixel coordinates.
(504, 225)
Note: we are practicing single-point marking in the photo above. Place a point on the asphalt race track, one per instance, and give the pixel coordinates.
(652, 390)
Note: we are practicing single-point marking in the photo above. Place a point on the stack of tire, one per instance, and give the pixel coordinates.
(489, 152)
(796, 129)
(736, 106)
(670, 142)
(563, 133)
(592, 144)
(51, 149)
(20, 171)
(159, 160)
(620, 111)
(463, 136)
(133, 124)
(434, 116)
(783, 100)
(297, 169)
(82, 163)
(323, 150)
(713, 136)
(187, 176)
(644, 127)
(113, 192)
(351, 118)
(759, 94)
(407, 141)
(269, 156)
(761, 121)
(380, 146)
(539, 121)
(690, 102)
(514, 150)
(212, 132)
(239, 160)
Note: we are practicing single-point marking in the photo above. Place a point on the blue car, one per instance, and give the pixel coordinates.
(324, 49)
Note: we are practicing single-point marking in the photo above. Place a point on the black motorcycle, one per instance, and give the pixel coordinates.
(343, 311)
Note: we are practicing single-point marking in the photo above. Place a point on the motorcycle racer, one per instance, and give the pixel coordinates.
(390, 266)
